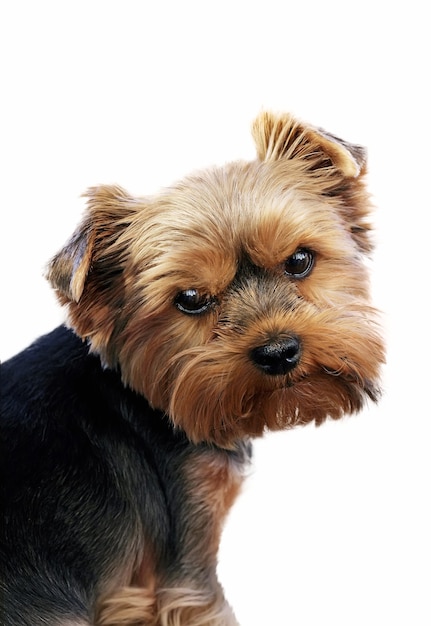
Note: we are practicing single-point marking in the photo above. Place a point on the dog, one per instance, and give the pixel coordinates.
(233, 303)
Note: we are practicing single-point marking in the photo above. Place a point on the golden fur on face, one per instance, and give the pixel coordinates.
(218, 242)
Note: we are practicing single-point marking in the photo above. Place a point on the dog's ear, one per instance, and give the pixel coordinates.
(328, 166)
(68, 269)
(88, 273)
(283, 137)
(102, 223)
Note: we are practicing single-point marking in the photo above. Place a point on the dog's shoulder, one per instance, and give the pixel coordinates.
(45, 376)
(56, 390)
(56, 393)
(44, 356)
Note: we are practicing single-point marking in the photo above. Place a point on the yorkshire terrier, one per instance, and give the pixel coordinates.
(233, 303)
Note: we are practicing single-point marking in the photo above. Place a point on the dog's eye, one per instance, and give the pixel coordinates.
(300, 263)
(192, 302)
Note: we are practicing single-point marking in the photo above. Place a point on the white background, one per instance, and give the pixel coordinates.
(334, 524)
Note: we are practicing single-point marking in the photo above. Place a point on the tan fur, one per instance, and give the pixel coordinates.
(168, 607)
(227, 232)
(213, 482)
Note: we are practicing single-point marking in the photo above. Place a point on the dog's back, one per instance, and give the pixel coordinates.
(95, 488)
(50, 443)
(79, 473)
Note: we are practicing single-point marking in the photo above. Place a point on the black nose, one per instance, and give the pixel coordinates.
(277, 357)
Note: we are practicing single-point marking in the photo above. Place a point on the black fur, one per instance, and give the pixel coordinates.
(86, 464)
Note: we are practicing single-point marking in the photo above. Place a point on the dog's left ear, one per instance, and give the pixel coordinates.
(284, 137)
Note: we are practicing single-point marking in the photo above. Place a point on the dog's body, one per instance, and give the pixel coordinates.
(113, 494)
(233, 303)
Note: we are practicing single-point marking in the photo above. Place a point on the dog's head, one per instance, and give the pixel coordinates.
(237, 300)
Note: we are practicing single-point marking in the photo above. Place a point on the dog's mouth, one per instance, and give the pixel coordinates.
(278, 383)
(303, 396)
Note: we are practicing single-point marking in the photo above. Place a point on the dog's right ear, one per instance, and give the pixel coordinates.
(88, 272)
(68, 269)
(105, 217)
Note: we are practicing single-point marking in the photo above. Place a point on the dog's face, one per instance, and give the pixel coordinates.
(237, 300)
